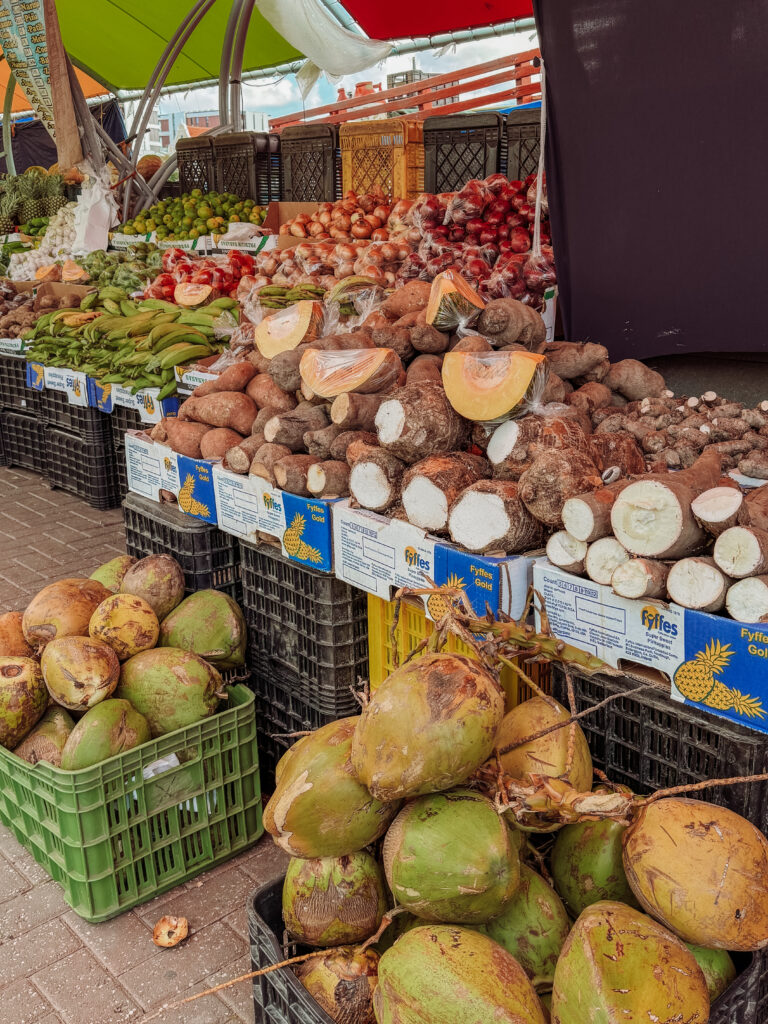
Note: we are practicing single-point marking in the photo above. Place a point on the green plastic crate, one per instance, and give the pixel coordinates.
(114, 839)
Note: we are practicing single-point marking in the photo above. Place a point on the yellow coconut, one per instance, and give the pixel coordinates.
(127, 623)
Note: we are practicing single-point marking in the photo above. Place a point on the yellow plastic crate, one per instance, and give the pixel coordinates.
(388, 154)
(412, 628)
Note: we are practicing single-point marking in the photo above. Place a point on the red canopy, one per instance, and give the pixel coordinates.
(400, 18)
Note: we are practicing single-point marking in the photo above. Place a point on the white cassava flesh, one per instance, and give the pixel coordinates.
(640, 577)
(390, 421)
(603, 557)
(371, 487)
(566, 552)
(747, 600)
(588, 516)
(698, 583)
(489, 516)
(742, 551)
(717, 509)
(503, 440)
(654, 518)
(425, 504)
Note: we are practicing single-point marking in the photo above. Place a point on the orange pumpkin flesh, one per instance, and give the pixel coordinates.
(191, 294)
(284, 330)
(487, 385)
(452, 302)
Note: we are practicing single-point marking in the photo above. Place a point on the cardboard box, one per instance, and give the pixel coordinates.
(59, 288)
(257, 244)
(151, 409)
(247, 506)
(279, 213)
(152, 468)
(13, 346)
(381, 555)
(117, 240)
(73, 383)
(663, 637)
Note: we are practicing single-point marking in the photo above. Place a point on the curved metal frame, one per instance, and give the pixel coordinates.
(10, 163)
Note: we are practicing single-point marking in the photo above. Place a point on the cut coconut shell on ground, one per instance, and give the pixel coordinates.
(287, 328)
(170, 931)
(488, 385)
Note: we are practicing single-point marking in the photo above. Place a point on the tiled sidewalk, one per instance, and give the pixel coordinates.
(55, 968)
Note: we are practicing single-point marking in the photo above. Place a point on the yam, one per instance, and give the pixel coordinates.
(490, 516)
(571, 359)
(266, 393)
(284, 369)
(617, 451)
(291, 472)
(329, 479)
(264, 461)
(289, 428)
(396, 338)
(423, 369)
(181, 436)
(640, 578)
(430, 486)
(634, 380)
(590, 397)
(234, 378)
(552, 478)
(472, 343)
(224, 409)
(216, 443)
(365, 371)
(238, 459)
(413, 296)
(754, 465)
(427, 338)
(502, 321)
(374, 481)
(419, 421)
(318, 442)
(342, 441)
(359, 447)
(556, 389)
(356, 412)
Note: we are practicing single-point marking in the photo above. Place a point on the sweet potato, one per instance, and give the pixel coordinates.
(216, 443)
(234, 378)
(225, 409)
(182, 437)
(414, 295)
(265, 392)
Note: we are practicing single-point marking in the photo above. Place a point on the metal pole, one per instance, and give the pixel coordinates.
(226, 60)
(10, 163)
(236, 67)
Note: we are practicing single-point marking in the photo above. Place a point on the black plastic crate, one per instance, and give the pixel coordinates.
(3, 458)
(78, 466)
(14, 393)
(307, 626)
(311, 160)
(521, 143)
(23, 440)
(89, 424)
(197, 167)
(459, 147)
(280, 998)
(651, 742)
(210, 559)
(248, 164)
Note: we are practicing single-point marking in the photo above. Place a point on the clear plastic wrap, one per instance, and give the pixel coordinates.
(453, 304)
(491, 387)
(469, 203)
(364, 371)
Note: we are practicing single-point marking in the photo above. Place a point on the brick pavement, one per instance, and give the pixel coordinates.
(54, 967)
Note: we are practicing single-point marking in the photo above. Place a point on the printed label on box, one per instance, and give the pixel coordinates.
(196, 493)
(261, 243)
(117, 240)
(304, 525)
(200, 245)
(13, 346)
(238, 500)
(188, 380)
(73, 383)
(151, 467)
(501, 583)
(35, 376)
(146, 402)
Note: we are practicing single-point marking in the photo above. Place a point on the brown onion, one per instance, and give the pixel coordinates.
(380, 235)
(382, 212)
(375, 222)
(361, 230)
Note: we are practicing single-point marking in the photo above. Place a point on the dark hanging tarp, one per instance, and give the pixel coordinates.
(657, 152)
(34, 147)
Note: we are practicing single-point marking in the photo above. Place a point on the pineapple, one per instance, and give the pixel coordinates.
(439, 605)
(187, 502)
(30, 194)
(292, 537)
(53, 194)
(695, 679)
(8, 206)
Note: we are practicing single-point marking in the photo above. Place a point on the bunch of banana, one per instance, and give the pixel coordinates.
(274, 297)
(118, 341)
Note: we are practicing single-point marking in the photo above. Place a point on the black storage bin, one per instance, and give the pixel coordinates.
(311, 160)
(248, 165)
(209, 558)
(90, 424)
(14, 393)
(305, 627)
(82, 467)
(521, 143)
(23, 440)
(459, 147)
(197, 167)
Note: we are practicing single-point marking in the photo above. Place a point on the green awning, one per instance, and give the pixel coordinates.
(119, 42)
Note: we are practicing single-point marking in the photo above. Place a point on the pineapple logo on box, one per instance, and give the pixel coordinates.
(306, 538)
(196, 496)
(147, 401)
(439, 604)
(167, 464)
(74, 386)
(35, 376)
(697, 681)
(102, 396)
(653, 620)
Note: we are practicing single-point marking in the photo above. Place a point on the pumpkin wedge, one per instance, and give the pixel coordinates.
(364, 371)
(72, 272)
(488, 385)
(452, 302)
(48, 272)
(191, 294)
(287, 328)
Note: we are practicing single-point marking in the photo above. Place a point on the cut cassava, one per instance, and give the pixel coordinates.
(318, 442)
(717, 509)
(452, 302)
(432, 485)
(639, 578)
(287, 328)
(489, 385)
(754, 510)
(366, 371)
(698, 583)
(238, 459)
(419, 421)
(566, 552)
(742, 551)
(489, 516)
(340, 445)
(587, 517)
(603, 557)
(374, 481)
(515, 443)
(747, 600)
(355, 412)
(289, 428)
(552, 478)
(329, 479)
(264, 460)
(291, 473)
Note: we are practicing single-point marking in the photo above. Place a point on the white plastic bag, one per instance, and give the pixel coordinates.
(95, 212)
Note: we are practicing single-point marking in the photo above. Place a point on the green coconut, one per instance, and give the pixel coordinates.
(443, 974)
(562, 754)
(79, 671)
(209, 623)
(318, 808)
(159, 580)
(110, 728)
(449, 857)
(587, 865)
(342, 982)
(127, 623)
(620, 965)
(62, 609)
(400, 924)
(48, 738)
(333, 901)
(23, 699)
(428, 726)
(717, 967)
(702, 871)
(533, 927)
(111, 573)
(170, 688)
